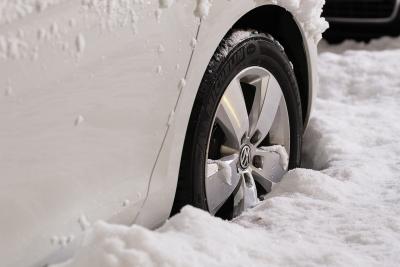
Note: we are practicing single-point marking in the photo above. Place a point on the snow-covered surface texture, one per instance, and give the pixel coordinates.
(342, 213)
(374, 45)
(14, 9)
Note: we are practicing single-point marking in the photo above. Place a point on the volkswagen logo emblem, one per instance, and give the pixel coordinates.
(244, 157)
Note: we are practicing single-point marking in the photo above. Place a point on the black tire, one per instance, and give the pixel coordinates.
(229, 59)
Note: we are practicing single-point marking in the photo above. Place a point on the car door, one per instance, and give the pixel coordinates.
(87, 91)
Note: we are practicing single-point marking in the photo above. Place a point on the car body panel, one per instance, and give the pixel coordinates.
(88, 91)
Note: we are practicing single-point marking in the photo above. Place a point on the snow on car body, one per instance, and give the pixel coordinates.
(97, 98)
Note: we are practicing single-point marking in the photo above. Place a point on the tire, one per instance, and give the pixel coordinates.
(240, 51)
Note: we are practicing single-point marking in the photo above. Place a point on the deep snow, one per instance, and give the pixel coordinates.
(345, 212)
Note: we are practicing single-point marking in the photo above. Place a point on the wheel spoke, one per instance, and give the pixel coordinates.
(232, 114)
(221, 180)
(227, 150)
(266, 102)
(269, 165)
(246, 196)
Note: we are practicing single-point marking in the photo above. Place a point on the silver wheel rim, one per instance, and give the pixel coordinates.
(243, 157)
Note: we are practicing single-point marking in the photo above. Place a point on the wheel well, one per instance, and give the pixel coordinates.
(281, 25)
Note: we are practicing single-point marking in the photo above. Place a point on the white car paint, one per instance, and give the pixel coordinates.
(80, 131)
(93, 117)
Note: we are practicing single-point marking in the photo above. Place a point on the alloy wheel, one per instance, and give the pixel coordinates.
(249, 144)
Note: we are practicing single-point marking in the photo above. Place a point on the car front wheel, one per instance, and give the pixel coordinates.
(245, 127)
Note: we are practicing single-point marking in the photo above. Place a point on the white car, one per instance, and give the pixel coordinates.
(125, 111)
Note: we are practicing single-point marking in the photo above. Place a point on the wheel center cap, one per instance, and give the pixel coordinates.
(244, 157)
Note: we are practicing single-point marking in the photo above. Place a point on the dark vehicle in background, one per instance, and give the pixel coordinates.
(361, 20)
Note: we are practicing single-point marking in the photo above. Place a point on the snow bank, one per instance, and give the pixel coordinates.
(344, 213)
(374, 45)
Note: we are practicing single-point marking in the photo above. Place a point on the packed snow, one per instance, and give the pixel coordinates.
(341, 209)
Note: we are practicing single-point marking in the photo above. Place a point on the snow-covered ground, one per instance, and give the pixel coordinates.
(341, 211)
